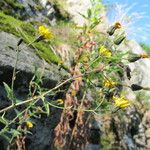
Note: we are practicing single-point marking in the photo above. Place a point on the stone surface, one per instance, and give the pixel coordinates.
(27, 61)
(42, 136)
(76, 7)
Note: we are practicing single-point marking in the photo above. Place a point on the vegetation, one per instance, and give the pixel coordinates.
(11, 6)
(28, 32)
(93, 87)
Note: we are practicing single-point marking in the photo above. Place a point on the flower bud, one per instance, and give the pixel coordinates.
(136, 87)
(128, 72)
(137, 57)
(19, 42)
(133, 59)
(144, 56)
(40, 38)
(119, 40)
(29, 124)
(111, 30)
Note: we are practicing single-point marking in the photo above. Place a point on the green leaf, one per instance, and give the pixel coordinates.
(4, 121)
(8, 90)
(46, 105)
(83, 16)
(89, 13)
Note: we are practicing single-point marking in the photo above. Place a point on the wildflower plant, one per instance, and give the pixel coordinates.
(93, 86)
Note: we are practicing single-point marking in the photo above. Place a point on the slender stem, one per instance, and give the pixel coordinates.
(49, 91)
(14, 76)
(45, 93)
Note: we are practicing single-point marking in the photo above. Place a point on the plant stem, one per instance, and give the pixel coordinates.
(14, 76)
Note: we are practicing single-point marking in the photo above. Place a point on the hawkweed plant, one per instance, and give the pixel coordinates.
(94, 84)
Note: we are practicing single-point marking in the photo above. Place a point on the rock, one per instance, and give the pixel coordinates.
(27, 62)
(92, 147)
(140, 70)
(76, 7)
(42, 11)
(42, 136)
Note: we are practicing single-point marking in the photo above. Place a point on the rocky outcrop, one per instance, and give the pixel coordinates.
(42, 136)
(43, 11)
(27, 62)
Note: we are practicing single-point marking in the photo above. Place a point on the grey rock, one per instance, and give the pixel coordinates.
(27, 61)
(92, 147)
(42, 133)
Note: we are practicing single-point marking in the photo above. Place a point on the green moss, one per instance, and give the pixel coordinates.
(11, 3)
(28, 32)
(11, 6)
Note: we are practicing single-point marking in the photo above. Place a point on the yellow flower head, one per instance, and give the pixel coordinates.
(73, 93)
(45, 32)
(109, 83)
(29, 124)
(117, 25)
(121, 102)
(105, 52)
(78, 79)
(60, 101)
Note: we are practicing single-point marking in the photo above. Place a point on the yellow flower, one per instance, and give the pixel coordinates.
(117, 25)
(104, 52)
(78, 79)
(121, 102)
(60, 101)
(29, 124)
(45, 33)
(109, 83)
(73, 93)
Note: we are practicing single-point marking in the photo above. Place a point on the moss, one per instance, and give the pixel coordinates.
(12, 7)
(28, 33)
(11, 3)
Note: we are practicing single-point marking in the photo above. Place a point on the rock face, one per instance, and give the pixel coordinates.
(39, 10)
(133, 129)
(75, 8)
(141, 68)
(42, 136)
(27, 60)
(43, 11)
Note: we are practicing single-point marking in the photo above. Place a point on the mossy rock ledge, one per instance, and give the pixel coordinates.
(27, 62)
